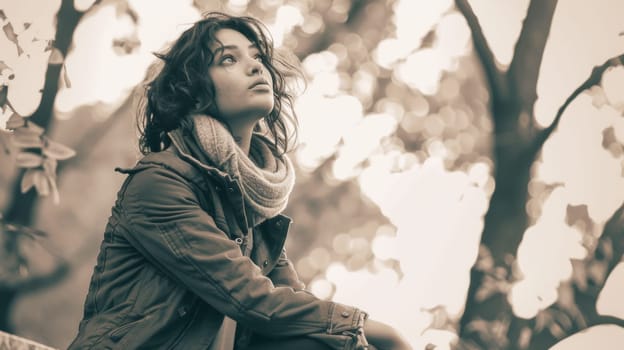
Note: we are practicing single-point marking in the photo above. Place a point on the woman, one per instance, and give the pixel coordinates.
(192, 256)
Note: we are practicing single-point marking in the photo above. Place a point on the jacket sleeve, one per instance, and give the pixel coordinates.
(284, 273)
(164, 222)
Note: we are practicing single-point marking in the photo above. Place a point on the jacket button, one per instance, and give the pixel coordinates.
(265, 263)
(345, 314)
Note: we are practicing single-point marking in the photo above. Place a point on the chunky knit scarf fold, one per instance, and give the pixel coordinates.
(266, 184)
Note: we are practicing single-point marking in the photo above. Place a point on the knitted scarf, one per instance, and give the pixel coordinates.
(266, 184)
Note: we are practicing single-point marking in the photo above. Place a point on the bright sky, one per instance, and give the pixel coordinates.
(437, 214)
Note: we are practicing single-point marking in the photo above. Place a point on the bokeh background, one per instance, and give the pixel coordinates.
(439, 185)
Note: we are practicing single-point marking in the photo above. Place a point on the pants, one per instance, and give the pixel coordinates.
(298, 343)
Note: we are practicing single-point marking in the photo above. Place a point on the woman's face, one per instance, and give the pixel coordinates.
(243, 85)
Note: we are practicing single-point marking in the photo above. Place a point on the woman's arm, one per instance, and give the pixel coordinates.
(163, 220)
(384, 337)
(284, 273)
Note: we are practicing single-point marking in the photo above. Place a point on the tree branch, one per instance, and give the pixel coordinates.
(67, 20)
(529, 51)
(594, 79)
(608, 320)
(582, 307)
(495, 78)
(331, 32)
(612, 239)
(63, 266)
(613, 235)
(20, 207)
(39, 282)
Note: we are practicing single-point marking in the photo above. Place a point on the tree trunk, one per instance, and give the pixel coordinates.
(21, 208)
(505, 223)
(488, 321)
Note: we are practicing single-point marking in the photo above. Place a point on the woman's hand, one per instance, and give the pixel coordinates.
(384, 337)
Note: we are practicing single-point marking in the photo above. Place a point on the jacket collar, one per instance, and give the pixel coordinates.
(184, 151)
(225, 181)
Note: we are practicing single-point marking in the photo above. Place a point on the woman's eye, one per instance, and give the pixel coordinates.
(228, 60)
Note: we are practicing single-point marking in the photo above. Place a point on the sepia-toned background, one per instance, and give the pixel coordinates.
(459, 173)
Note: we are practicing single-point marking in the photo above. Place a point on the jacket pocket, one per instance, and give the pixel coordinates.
(343, 341)
(188, 323)
(117, 333)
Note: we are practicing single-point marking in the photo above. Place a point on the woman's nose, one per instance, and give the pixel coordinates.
(255, 67)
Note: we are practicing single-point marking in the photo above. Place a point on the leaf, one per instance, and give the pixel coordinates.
(486, 289)
(28, 160)
(41, 183)
(478, 325)
(440, 317)
(29, 129)
(26, 139)
(33, 233)
(599, 98)
(15, 121)
(597, 271)
(56, 57)
(4, 90)
(28, 180)
(564, 321)
(49, 46)
(123, 8)
(485, 262)
(4, 145)
(58, 151)
(53, 189)
(542, 319)
(133, 15)
(49, 166)
(556, 330)
(34, 128)
(20, 229)
(65, 80)
(10, 34)
(525, 338)
(606, 248)
(579, 275)
(126, 46)
(12, 228)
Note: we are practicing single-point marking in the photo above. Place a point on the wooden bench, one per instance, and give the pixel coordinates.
(13, 342)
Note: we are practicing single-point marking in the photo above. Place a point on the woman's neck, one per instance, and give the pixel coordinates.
(242, 135)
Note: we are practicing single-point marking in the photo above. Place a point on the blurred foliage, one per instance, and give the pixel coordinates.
(35, 151)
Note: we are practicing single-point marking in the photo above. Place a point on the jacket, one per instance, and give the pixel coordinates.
(171, 265)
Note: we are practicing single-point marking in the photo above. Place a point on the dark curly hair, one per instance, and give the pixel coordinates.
(183, 86)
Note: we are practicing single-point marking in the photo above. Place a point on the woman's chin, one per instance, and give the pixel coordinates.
(264, 109)
(254, 113)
